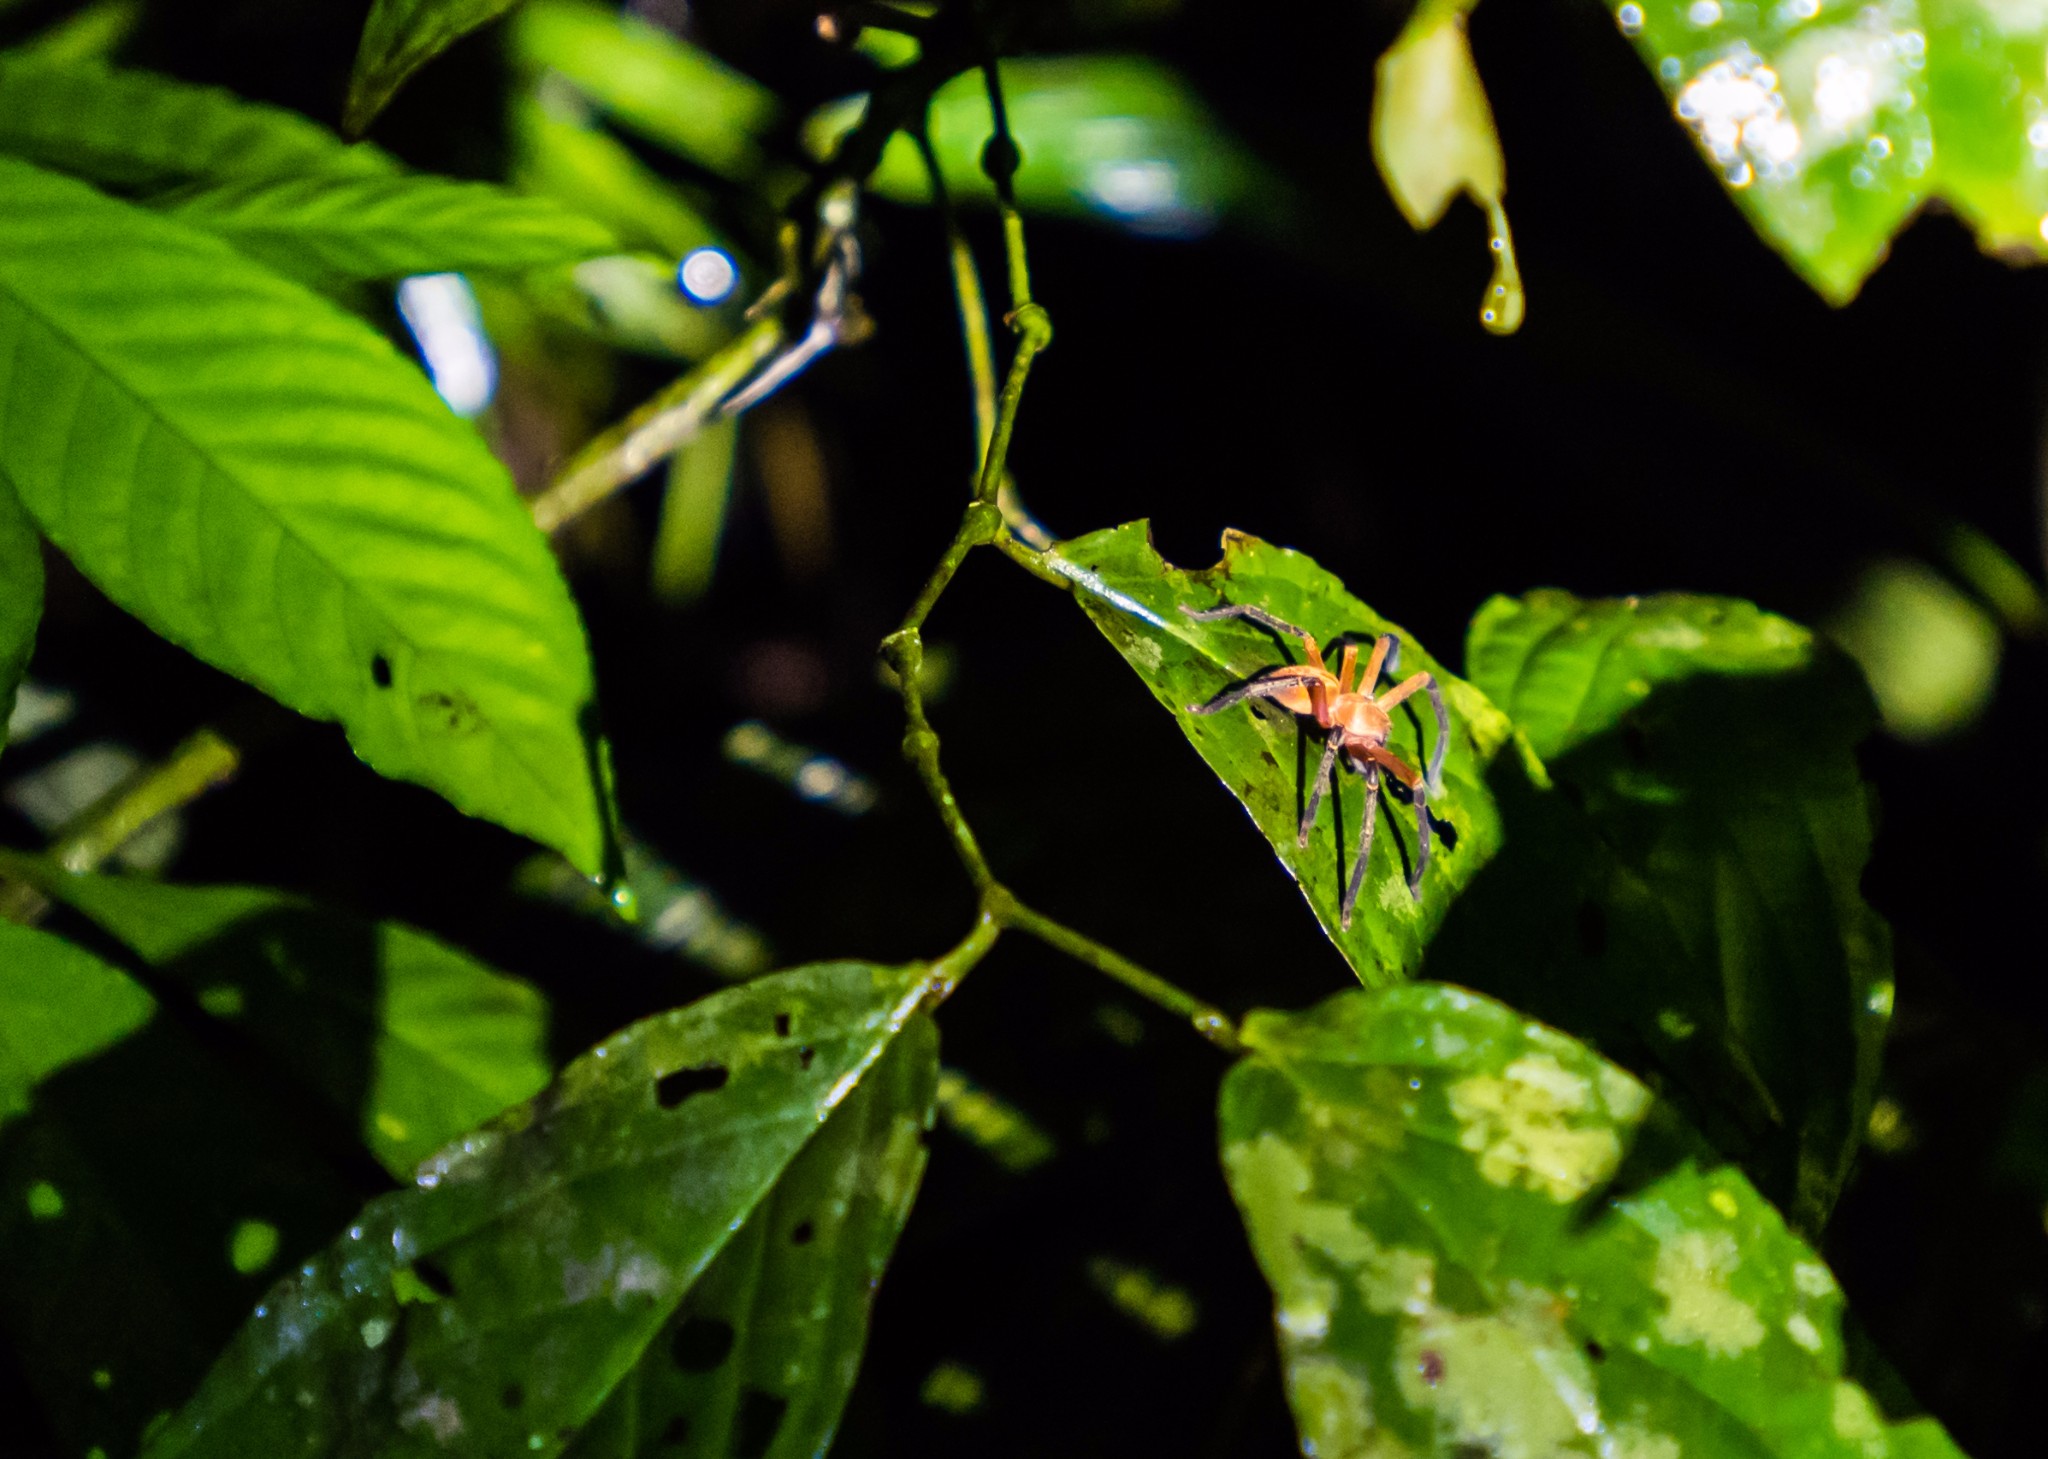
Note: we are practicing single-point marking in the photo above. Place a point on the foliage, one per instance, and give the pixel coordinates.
(277, 1176)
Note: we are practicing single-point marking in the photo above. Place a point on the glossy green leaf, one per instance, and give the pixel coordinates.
(762, 1354)
(502, 1298)
(1426, 1180)
(399, 37)
(357, 229)
(140, 133)
(660, 86)
(1832, 124)
(1262, 753)
(264, 480)
(21, 597)
(58, 1004)
(411, 1040)
(1117, 139)
(1690, 898)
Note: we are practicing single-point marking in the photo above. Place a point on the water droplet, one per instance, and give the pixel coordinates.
(708, 276)
(1704, 13)
(1505, 303)
(1629, 18)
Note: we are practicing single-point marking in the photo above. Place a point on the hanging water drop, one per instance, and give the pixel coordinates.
(1505, 304)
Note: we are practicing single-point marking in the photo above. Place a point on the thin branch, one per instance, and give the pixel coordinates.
(202, 762)
(1210, 1022)
(668, 420)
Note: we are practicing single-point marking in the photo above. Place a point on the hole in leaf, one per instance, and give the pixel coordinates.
(805, 1054)
(1594, 1351)
(760, 1416)
(513, 1396)
(434, 1278)
(671, 1090)
(701, 1344)
(802, 1234)
(380, 672)
(1432, 1367)
(677, 1432)
(1592, 929)
(782, 1025)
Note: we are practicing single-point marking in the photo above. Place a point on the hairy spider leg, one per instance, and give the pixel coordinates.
(1395, 766)
(1372, 807)
(1274, 684)
(1383, 648)
(1349, 662)
(1331, 746)
(1407, 687)
(1252, 611)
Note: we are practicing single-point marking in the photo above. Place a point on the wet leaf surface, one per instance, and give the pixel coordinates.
(498, 1302)
(1262, 753)
(1429, 1182)
(1831, 124)
(1689, 897)
(758, 1361)
(410, 1040)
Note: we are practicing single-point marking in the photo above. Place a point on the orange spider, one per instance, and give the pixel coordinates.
(1353, 721)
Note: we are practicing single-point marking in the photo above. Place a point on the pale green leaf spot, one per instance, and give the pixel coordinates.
(1523, 1126)
(1692, 1275)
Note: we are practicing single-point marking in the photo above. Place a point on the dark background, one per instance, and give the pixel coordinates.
(1679, 412)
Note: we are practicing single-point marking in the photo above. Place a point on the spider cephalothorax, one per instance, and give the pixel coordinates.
(1354, 723)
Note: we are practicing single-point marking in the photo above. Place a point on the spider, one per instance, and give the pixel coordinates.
(1353, 721)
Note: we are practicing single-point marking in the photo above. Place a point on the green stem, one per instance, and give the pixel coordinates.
(1208, 1021)
(203, 761)
(904, 650)
(949, 969)
(666, 421)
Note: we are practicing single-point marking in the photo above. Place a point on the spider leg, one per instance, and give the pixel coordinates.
(1252, 611)
(1347, 664)
(1421, 798)
(1266, 686)
(1443, 719)
(1386, 652)
(1393, 664)
(1372, 806)
(1315, 796)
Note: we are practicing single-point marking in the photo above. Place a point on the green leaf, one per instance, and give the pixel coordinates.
(1264, 756)
(357, 229)
(276, 186)
(21, 597)
(660, 86)
(58, 1004)
(265, 481)
(1425, 1179)
(411, 1040)
(1832, 125)
(1115, 139)
(502, 1298)
(140, 133)
(762, 1354)
(401, 36)
(1690, 898)
(589, 170)
(1433, 138)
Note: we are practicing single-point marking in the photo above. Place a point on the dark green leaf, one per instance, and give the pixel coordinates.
(411, 1040)
(762, 1354)
(667, 90)
(1425, 1177)
(1118, 139)
(501, 1299)
(1690, 899)
(21, 597)
(58, 1004)
(401, 36)
(141, 133)
(590, 170)
(265, 481)
(1264, 756)
(1831, 125)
